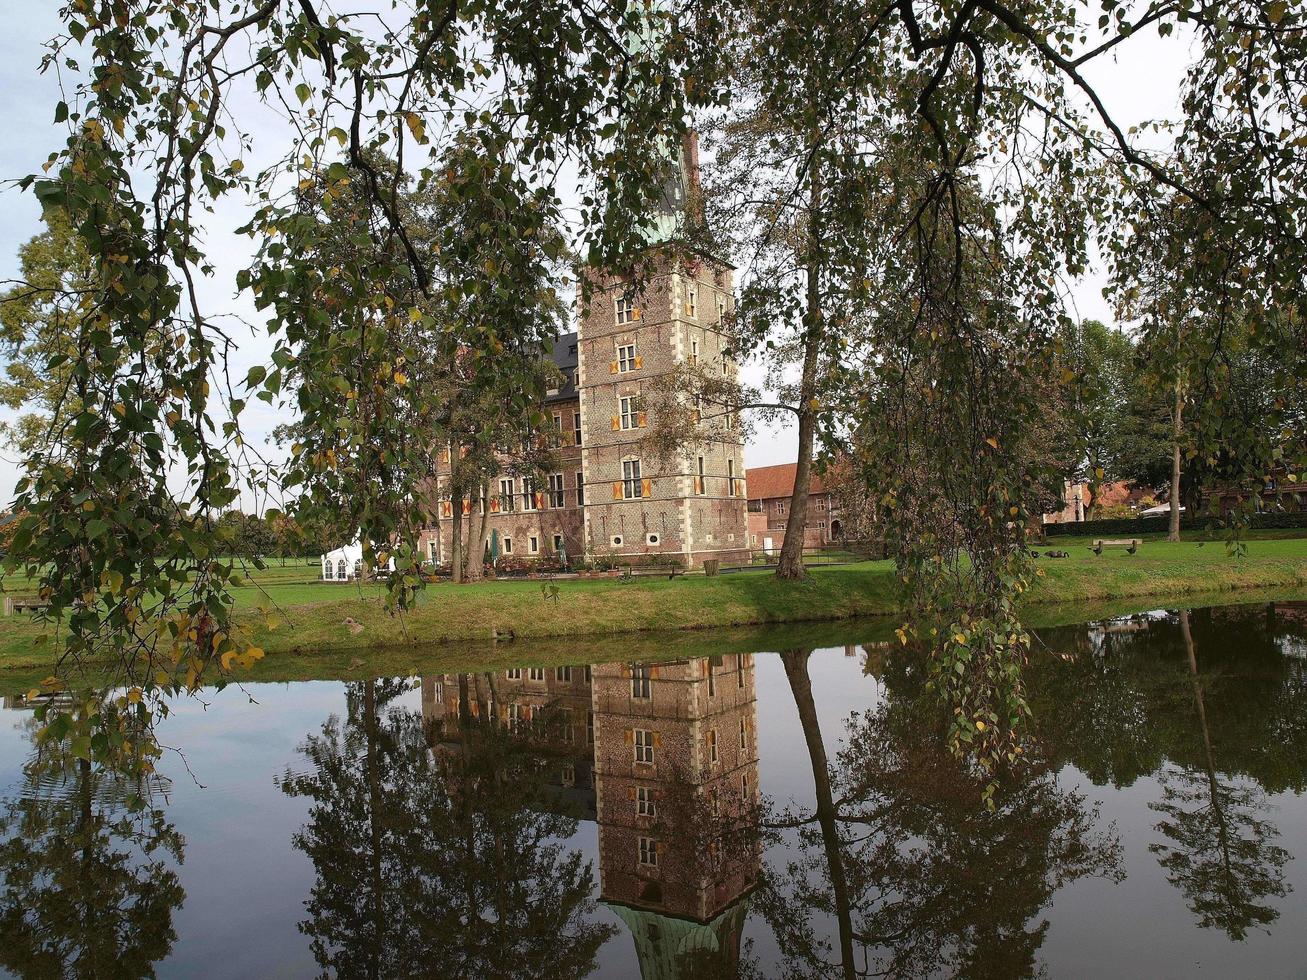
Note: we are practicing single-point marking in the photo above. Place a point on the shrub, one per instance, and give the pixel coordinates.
(1160, 523)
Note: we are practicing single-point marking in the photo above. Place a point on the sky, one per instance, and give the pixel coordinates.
(1141, 83)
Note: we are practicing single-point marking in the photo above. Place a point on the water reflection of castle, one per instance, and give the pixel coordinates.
(664, 757)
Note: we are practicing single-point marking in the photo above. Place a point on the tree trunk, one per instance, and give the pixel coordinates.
(796, 671)
(456, 535)
(476, 546)
(1177, 431)
(790, 566)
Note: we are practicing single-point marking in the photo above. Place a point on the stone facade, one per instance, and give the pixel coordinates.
(691, 507)
(606, 498)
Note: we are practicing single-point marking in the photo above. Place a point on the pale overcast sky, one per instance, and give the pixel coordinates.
(1142, 84)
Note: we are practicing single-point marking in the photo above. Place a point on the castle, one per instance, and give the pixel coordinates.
(607, 497)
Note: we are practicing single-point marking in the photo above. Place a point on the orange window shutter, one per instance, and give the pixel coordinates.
(494, 506)
(658, 740)
(696, 415)
(446, 509)
(630, 792)
(644, 419)
(617, 491)
(639, 363)
(645, 487)
(467, 506)
(540, 499)
(612, 367)
(629, 736)
(636, 313)
(617, 423)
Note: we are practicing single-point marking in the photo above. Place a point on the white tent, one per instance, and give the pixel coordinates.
(345, 564)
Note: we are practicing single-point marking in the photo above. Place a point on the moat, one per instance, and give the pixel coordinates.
(778, 813)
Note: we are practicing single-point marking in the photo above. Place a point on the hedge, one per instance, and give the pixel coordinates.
(1162, 523)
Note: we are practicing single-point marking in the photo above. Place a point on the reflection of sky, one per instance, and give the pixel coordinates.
(246, 885)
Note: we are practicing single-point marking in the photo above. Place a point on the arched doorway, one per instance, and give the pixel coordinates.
(835, 529)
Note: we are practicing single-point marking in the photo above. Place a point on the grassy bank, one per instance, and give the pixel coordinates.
(313, 615)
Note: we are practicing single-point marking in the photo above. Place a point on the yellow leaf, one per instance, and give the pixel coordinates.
(980, 726)
(134, 696)
(226, 659)
(161, 678)
(253, 653)
(33, 694)
(992, 441)
(415, 125)
(401, 378)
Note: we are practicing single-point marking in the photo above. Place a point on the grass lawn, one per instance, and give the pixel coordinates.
(313, 613)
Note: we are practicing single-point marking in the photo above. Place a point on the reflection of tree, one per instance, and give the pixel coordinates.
(1219, 851)
(439, 863)
(915, 873)
(88, 891)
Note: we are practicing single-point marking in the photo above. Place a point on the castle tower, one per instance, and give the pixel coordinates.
(676, 785)
(692, 506)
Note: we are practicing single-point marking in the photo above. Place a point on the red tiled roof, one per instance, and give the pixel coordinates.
(768, 482)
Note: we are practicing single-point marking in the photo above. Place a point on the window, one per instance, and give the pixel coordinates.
(589, 718)
(506, 490)
(694, 351)
(533, 545)
(632, 486)
(580, 490)
(739, 670)
(691, 299)
(652, 538)
(644, 802)
(712, 682)
(744, 734)
(641, 678)
(821, 503)
(563, 675)
(644, 746)
(328, 570)
(515, 717)
(536, 674)
(616, 539)
(730, 477)
(557, 496)
(626, 309)
(648, 852)
(514, 674)
(558, 427)
(568, 775)
(576, 427)
(821, 525)
(629, 418)
(712, 747)
(626, 358)
(701, 484)
(744, 785)
(508, 546)
(558, 544)
(721, 311)
(780, 506)
(528, 493)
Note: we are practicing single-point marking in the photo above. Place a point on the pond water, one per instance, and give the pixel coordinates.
(782, 813)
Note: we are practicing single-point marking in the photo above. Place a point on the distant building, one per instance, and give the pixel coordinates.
(1077, 499)
(770, 490)
(607, 497)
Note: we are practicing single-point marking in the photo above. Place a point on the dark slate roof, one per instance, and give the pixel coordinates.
(564, 355)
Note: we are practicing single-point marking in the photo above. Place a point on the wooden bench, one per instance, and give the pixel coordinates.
(23, 603)
(1131, 545)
